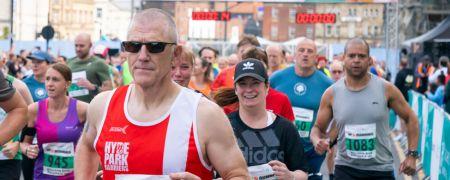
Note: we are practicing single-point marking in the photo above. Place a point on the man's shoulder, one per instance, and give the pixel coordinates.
(282, 73)
(323, 78)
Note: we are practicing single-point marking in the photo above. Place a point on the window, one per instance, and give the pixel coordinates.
(355, 12)
(274, 14)
(274, 32)
(375, 30)
(99, 12)
(366, 30)
(371, 13)
(365, 13)
(376, 12)
(328, 30)
(292, 15)
(309, 32)
(337, 31)
(291, 32)
(350, 12)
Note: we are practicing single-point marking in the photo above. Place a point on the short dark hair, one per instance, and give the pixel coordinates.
(248, 39)
(216, 52)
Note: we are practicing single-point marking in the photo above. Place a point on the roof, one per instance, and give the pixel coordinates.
(441, 33)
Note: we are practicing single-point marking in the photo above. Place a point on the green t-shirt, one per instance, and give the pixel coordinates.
(17, 137)
(93, 69)
(126, 75)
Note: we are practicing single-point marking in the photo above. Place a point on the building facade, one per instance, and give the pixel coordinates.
(352, 20)
(30, 16)
(111, 20)
(71, 17)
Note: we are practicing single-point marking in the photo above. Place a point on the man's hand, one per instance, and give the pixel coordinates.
(82, 82)
(184, 176)
(10, 149)
(321, 146)
(32, 151)
(408, 166)
(280, 170)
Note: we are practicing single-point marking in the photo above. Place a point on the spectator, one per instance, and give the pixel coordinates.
(438, 95)
(442, 68)
(201, 80)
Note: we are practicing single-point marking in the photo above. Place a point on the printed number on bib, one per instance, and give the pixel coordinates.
(74, 89)
(141, 177)
(360, 141)
(58, 158)
(303, 121)
(263, 171)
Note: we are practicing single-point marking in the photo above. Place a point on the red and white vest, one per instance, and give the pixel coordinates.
(159, 147)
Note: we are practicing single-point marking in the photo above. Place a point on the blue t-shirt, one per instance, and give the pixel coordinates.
(305, 94)
(36, 88)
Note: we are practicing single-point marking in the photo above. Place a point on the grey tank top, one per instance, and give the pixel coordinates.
(363, 128)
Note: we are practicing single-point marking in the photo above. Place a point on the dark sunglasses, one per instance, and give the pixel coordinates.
(152, 47)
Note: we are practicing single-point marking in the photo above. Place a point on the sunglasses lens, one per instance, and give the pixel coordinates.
(132, 47)
(155, 47)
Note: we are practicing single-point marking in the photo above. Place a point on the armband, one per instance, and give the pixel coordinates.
(29, 131)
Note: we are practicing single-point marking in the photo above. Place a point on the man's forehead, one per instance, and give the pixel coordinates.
(357, 48)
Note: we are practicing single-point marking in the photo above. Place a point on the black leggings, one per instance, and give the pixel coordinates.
(10, 169)
(348, 173)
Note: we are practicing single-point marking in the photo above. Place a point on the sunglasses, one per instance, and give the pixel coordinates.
(152, 47)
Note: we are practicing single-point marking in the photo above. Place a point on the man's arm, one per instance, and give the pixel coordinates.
(24, 91)
(15, 119)
(217, 138)
(324, 116)
(86, 158)
(397, 102)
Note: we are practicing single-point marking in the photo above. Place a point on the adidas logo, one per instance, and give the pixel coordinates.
(260, 148)
(248, 65)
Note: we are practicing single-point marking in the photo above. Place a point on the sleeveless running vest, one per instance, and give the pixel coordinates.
(57, 142)
(363, 127)
(129, 148)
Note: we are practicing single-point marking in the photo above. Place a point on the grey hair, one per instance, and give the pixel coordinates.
(151, 15)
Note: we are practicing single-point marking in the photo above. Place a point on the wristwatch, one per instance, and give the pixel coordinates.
(413, 153)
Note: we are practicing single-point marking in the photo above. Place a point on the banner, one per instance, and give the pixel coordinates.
(434, 143)
(444, 167)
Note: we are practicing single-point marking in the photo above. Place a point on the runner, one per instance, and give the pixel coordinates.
(359, 104)
(57, 122)
(304, 85)
(182, 67)
(155, 127)
(201, 79)
(269, 142)
(10, 155)
(276, 101)
(15, 107)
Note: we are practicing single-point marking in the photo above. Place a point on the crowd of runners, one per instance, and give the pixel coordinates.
(169, 113)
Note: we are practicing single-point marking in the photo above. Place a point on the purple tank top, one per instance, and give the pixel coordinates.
(57, 142)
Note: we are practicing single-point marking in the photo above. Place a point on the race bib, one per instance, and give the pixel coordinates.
(303, 121)
(263, 171)
(74, 89)
(360, 141)
(141, 177)
(58, 158)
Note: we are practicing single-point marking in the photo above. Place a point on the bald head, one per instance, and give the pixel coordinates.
(275, 48)
(308, 42)
(83, 45)
(149, 19)
(356, 41)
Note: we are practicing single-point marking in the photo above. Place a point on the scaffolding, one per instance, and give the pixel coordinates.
(392, 36)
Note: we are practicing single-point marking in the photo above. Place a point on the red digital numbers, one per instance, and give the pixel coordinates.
(316, 18)
(211, 16)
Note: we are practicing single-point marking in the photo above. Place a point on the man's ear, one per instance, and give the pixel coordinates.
(370, 61)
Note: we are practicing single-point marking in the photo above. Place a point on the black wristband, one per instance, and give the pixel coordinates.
(29, 131)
